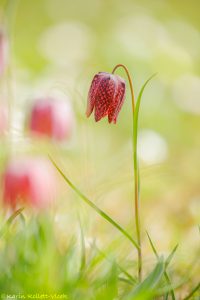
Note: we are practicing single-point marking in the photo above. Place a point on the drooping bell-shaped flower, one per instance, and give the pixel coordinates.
(29, 181)
(52, 117)
(106, 96)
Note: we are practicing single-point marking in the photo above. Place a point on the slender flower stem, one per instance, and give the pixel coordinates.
(136, 173)
(130, 83)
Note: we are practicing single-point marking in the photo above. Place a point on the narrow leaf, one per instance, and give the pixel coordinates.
(195, 289)
(152, 245)
(168, 288)
(14, 215)
(147, 287)
(10, 220)
(137, 108)
(128, 275)
(125, 280)
(171, 255)
(166, 264)
(96, 208)
(83, 251)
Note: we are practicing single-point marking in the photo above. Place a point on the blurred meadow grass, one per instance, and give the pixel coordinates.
(56, 47)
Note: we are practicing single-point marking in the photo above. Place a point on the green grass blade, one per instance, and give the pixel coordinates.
(152, 245)
(96, 208)
(136, 171)
(127, 274)
(137, 108)
(125, 280)
(171, 255)
(14, 215)
(166, 296)
(195, 289)
(10, 220)
(166, 264)
(168, 288)
(145, 289)
(83, 250)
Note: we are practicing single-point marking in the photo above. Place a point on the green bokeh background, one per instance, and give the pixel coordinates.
(60, 45)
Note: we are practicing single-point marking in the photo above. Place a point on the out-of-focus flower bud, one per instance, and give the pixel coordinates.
(29, 181)
(52, 117)
(106, 96)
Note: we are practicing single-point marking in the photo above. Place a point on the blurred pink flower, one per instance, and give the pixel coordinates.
(106, 96)
(3, 52)
(29, 181)
(52, 117)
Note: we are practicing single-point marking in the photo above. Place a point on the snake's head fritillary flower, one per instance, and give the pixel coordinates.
(106, 96)
(29, 181)
(53, 118)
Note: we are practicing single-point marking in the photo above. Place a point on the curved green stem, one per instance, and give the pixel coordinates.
(130, 83)
(136, 171)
